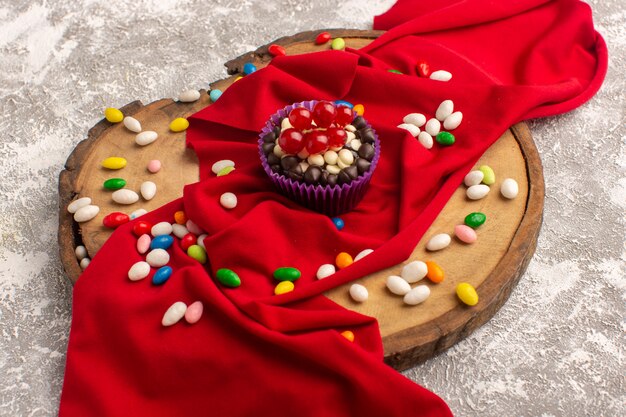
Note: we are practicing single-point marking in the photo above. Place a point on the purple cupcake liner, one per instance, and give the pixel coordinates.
(329, 200)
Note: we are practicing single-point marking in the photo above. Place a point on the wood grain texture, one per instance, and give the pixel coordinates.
(410, 334)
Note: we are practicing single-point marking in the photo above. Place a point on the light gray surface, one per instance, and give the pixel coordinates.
(555, 349)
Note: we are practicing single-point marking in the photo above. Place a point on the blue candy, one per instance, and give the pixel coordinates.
(161, 275)
(215, 94)
(339, 224)
(161, 242)
(344, 103)
(249, 68)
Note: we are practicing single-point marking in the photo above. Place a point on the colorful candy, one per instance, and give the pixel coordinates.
(225, 171)
(161, 275)
(467, 293)
(179, 124)
(228, 277)
(114, 162)
(465, 233)
(489, 177)
(143, 243)
(435, 272)
(359, 109)
(284, 287)
(276, 50)
(358, 293)
(417, 295)
(161, 242)
(221, 164)
(475, 219)
(338, 44)
(249, 68)
(348, 335)
(423, 69)
(115, 219)
(445, 138)
(114, 184)
(194, 312)
(141, 227)
(287, 274)
(215, 94)
(343, 260)
(322, 38)
(187, 241)
(509, 188)
(154, 166)
(113, 115)
(139, 271)
(198, 253)
(180, 217)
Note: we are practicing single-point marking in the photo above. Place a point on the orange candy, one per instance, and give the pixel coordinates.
(180, 218)
(435, 273)
(348, 335)
(343, 260)
(359, 109)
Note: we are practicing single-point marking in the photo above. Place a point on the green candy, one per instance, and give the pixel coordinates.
(287, 274)
(395, 71)
(489, 176)
(338, 44)
(445, 138)
(228, 277)
(225, 171)
(114, 183)
(196, 252)
(475, 220)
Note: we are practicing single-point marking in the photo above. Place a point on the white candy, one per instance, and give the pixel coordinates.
(77, 204)
(138, 213)
(412, 129)
(350, 136)
(220, 165)
(162, 228)
(425, 139)
(342, 164)
(148, 190)
(414, 271)
(438, 242)
(417, 295)
(200, 240)
(157, 258)
(285, 124)
(356, 144)
(416, 119)
(278, 151)
(316, 160)
(333, 169)
(397, 285)
(303, 166)
(433, 126)
(125, 196)
(444, 110)
(363, 254)
(174, 314)
(441, 75)
(358, 293)
(453, 121)
(189, 96)
(179, 230)
(325, 271)
(228, 200)
(80, 252)
(132, 124)
(193, 228)
(473, 178)
(146, 138)
(476, 192)
(509, 188)
(138, 271)
(84, 263)
(346, 157)
(86, 213)
(350, 129)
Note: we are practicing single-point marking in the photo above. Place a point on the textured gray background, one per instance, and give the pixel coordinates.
(555, 349)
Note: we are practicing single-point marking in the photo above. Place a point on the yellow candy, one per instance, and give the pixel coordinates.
(225, 171)
(178, 125)
(113, 115)
(283, 287)
(467, 294)
(238, 78)
(348, 335)
(359, 109)
(489, 177)
(114, 162)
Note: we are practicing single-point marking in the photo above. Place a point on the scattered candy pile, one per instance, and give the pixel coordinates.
(445, 114)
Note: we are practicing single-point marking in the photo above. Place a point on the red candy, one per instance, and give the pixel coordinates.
(336, 137)
(316, 142)
(345, 116)
(322, 38)
(115, 219)
(324, 114)
(291, 141)
(142, 228)
(276, 50)
(423, 69)
(188, 240)
(300, 118)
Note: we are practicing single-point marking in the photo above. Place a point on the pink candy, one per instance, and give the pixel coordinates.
(154, 166)
(143, 243)
(465, 233)
(194, 312)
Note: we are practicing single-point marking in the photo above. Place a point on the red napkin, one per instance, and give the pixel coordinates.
(254, 353)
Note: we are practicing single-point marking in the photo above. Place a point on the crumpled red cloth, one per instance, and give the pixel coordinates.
(257, 354)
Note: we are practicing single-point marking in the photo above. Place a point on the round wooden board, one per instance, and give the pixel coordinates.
(410, 334)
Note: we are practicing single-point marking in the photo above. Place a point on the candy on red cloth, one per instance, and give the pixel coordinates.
(254, 353)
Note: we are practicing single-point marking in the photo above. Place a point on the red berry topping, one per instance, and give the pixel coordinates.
(322, 38)
(115, 219)
(336, 137)
(345, 116)
(324, 114)
(291, 141)
(316, 141)
(423, 69)
(142, 228)
(188, 240)
(276, 50)
(300, 118)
